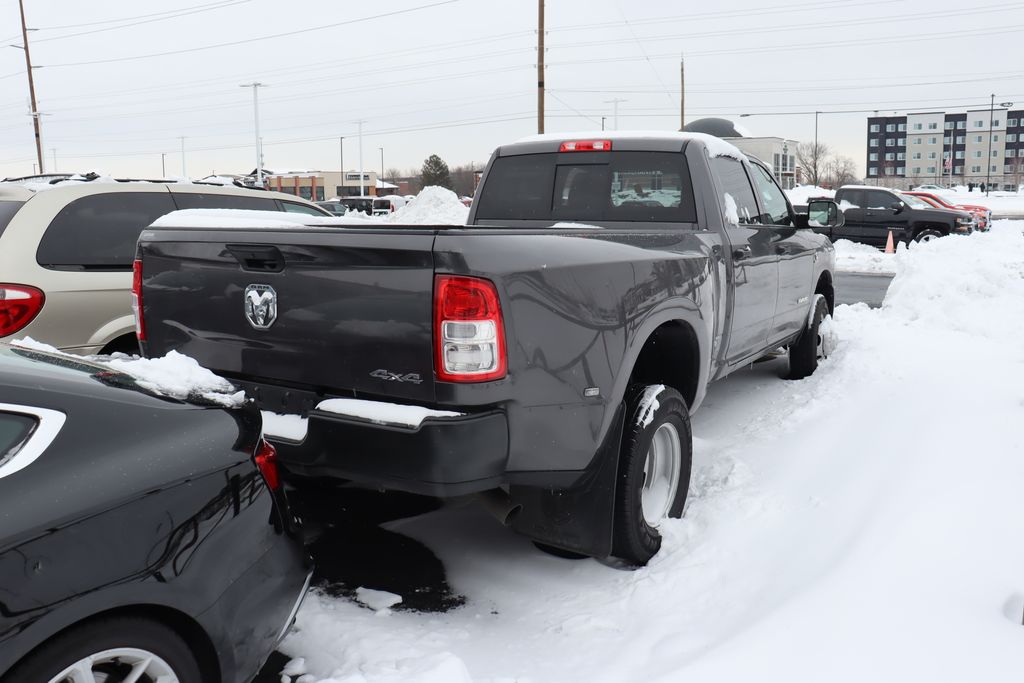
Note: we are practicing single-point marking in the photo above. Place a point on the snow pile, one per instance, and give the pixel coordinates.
(175, 375)
(285, 426)
(382, 412)
(379, 601)
(234, 218)
(854, 257)
(432, 206)
(863, 524)
(801, 194)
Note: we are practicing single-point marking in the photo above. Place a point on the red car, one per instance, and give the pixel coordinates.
(982, 214)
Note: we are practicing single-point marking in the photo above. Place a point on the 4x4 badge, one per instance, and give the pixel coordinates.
(388, 376)
(260, 306)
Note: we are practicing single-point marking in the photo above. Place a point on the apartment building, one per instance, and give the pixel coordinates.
(945, 148)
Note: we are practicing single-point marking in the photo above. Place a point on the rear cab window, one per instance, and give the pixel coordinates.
(617, 186)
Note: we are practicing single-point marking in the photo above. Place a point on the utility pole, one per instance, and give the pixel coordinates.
(615, 111)
(256, 85)
(362, 189)
(31, 87)
(163, 165)
(54, 150)
(682, 93)
(341, 162)
(184, 173)
(602, 122)
(381, 162)
(988, 163)
(540, 66)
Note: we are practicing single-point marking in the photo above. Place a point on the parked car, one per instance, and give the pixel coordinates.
(142, 538)
(382, 206)
(929, 188)
(873, 212)
(66, 251)
(334, 207)
(359, 204)
(546, 356)
(982, 214)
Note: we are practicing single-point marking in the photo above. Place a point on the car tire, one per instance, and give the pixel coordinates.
(114, 644)
(654, 470)
(927, 235)
(812, 345)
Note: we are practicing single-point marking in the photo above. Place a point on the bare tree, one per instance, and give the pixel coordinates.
(392, 175)
(841, 171)
(813, 159)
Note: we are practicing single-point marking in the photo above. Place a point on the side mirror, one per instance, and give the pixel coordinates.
(897, 207)
(824, 213)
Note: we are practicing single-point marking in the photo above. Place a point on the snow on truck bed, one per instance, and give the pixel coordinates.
(864, 524)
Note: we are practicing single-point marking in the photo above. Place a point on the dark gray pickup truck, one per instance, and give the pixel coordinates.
(545, 357)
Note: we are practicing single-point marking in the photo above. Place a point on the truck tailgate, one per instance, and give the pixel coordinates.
(353, 306)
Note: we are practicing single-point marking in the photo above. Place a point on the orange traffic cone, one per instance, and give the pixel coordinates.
(889, 248)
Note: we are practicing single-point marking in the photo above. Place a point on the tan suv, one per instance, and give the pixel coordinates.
(67, 246)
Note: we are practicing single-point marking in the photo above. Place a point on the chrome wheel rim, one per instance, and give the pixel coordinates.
(661, 474)
(118, 665)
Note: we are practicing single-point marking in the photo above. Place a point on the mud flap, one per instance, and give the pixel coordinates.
(578, 518)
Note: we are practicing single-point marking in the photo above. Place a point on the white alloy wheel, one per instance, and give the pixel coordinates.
(119, 665)
(661, 474)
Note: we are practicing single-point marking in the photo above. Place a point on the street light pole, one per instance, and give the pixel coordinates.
(256, 85)
(615, 110)
(341, 163)
(988, 163)
(184, 173)
(381, 163)
(362, 187)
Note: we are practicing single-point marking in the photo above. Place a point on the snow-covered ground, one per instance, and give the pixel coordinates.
(854, 257)
(864, 524)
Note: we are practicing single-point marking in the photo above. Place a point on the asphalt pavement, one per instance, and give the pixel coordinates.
(852, 288)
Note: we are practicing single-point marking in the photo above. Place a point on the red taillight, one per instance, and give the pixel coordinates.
(266, 461)
(469, 334)
(140, 323)
(19, 304)
(586, 146)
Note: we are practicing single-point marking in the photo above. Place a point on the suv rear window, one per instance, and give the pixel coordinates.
(99, 231)
(594, 186)
(14, 432)
(7, 211)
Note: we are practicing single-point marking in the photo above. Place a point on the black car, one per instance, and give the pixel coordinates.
(142, 538)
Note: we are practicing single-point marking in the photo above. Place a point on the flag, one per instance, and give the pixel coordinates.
(948, 163)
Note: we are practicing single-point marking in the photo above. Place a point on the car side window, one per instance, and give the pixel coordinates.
(204, 200)
(737, 195)
(879, 200)
(775, 206)
(15, 429)
(7, 211)
(292, 207)
(99, 231)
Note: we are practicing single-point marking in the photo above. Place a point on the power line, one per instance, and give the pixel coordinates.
(199, 10)
(139, 16)
(247, 41)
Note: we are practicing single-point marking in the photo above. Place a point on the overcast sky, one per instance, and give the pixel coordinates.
(459, 78)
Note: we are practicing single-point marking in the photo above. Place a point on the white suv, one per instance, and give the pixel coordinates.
(67, 246)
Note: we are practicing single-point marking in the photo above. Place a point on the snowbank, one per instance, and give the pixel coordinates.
(175, 375)
(382, 412)
(802, 193)
(862, 524)
(854, 257)
(432, 206)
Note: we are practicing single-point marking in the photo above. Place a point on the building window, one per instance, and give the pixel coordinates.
(890, 157)
(873, 156)
(961, 139)
(959, 170)
(917, 170)
(915, 155)
(975, 169)
(1012, 137)
(995, 123)
(889, 170)
(1010, 153)
(933, 126)
(917, 141)
(950, 125)
(874, 128)
(872, 143)
(792, 162)
(902, 142)
(947, 140)
(960, 125)
(901, 127)
(1008, 168)
(979, 123)
(959, 154)
(900, 156)
(872, 170)
(992, 168)
(931, 169)
(977, 154)
(995, 152)
(933, 155)
(900, 170)
(995, 137)
(890, 142)
(890, 128)
(918, 126)
(933, 141)
(1010, 123)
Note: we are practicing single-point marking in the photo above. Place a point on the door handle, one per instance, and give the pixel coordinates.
(741, 252)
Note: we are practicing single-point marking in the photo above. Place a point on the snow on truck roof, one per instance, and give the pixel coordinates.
(717, 147)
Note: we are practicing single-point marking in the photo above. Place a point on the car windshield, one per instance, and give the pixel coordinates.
(916, 202)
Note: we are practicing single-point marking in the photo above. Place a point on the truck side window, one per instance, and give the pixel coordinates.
(876, 199)
(737, 195)
(774, 202)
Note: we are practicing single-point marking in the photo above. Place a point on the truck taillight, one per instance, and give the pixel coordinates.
(19, 304)
(469, 334)
(586, 146)
(140, 324)
(266, 461)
